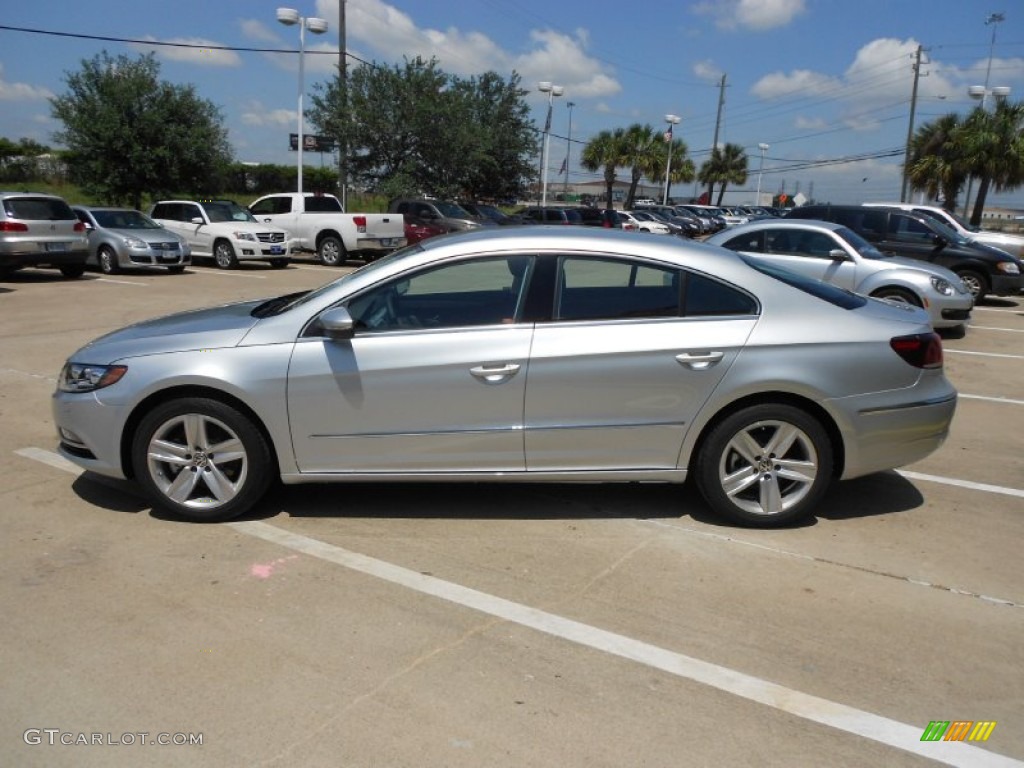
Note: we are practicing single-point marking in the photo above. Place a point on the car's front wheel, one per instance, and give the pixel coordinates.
(975, 283)
(765, 465)
(897, 294)
(108, 260)
(224, 255)
(201, 459)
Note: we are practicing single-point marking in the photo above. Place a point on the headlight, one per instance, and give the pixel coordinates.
(81, 377)
(1009, 267)
(244, 236)
(942, 286)
(133, 242)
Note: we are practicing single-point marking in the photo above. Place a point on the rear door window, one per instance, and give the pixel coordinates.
(38, 209)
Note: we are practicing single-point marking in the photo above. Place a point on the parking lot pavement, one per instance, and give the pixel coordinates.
(469, 625)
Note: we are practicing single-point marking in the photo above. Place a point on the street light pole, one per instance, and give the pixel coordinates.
(552, 91)
(982, 91)
(760, 171)
(289, 17)
(672, 120)
(568, 151)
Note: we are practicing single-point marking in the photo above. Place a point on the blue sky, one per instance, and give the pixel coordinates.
(816, 80)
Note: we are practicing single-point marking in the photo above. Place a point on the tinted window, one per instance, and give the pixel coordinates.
(472, 292)
(321, 204)
(38, 209)
(704, 296)
(751, 241)
(608, 289)
(908, 229)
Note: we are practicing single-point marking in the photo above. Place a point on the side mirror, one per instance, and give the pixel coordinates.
(939, 242)
(197, 220)
(838, 254)
(337, 323)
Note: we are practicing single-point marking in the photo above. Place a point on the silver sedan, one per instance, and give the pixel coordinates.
(533, 354)
(840, 256)
(123, 238)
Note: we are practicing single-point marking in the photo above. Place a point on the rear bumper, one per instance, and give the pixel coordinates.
(43, 259)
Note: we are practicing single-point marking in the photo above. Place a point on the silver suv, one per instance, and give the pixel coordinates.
(40, 230)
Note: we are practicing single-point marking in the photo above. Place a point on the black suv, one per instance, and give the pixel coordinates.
(983, 269)
(600, 217)
(535, 214)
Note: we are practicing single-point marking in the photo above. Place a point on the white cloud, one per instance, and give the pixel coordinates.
(193, 50)
(754, 15)
(21, 91)
(708, 71)
(257, 115)
(809, 123)
(799, 82)
(253, 29)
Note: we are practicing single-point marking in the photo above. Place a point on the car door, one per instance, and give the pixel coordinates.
(432, 380)
(631, 353)
(804, 251)
(278, 212)
(911, 237)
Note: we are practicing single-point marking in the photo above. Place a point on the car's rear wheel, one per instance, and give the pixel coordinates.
(765, 465)
(201, 459)
(331, 251)
(224, 255)
(73, 270)
(895, 293)
(108, 260)
(975, 283)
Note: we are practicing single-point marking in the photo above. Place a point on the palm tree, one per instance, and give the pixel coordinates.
(640, 151)
(605, 151)
(993, 150)
(934, 164)
(682, 168)
(727, 165)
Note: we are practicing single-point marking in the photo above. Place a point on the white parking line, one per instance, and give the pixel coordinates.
(970, 484)
(1018, 311)
(982, 354)
(893, 733)
(227, 273)
(858, 722)
(992, 328)
(120, 282)
(1008, 400)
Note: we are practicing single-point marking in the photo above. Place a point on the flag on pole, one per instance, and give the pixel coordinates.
(547, 123)
(565, 165)
(668, 133)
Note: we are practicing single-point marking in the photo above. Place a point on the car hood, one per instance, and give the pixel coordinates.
(923, 266)
(146, 235)
(223, 326)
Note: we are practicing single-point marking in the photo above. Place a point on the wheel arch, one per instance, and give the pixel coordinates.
(325, 233)
(177, 393)
(775, 398)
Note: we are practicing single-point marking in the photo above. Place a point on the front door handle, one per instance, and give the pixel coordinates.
(699, 361)
(495, 374)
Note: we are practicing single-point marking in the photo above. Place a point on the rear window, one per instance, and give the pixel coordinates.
(321, 204)
(824, 291)
(38, 209)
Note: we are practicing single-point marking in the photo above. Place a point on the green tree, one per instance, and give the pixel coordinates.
(992, 144)
(682, 169)
(128, 133)
(605, 152)
(727, 165)
(934, 164)
(640, 153)
(412, 128)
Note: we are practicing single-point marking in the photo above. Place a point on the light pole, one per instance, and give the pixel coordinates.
(552, 91)
(672, 120)
(568, 151)
(764, 148)
(982, 91)
(290, 17)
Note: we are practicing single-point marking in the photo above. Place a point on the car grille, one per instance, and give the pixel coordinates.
(164, 246)
(270, 237)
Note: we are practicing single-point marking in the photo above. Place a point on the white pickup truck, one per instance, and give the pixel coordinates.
(318, 224)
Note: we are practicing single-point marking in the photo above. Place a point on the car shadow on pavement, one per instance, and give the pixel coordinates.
(883, 493)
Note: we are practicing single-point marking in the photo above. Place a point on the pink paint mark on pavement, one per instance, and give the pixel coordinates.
(265, 571)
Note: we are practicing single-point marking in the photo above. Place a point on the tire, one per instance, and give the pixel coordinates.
(73, 270)
(743, 480)
(279, 263)
(224, 255)
(895, 293)
(331, 251)
(178, 454)
(108, 260)
(976, 283)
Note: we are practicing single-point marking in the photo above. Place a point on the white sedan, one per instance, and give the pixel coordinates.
(646, 224)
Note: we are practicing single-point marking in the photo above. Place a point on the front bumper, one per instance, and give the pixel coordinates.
(1006, 285)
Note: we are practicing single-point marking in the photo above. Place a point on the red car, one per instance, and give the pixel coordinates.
(417, 229)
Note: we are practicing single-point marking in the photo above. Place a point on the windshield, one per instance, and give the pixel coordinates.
(286, 303)
(860, 245)
(126, 219)
(453, 211)
(225, 210)
(950, 234)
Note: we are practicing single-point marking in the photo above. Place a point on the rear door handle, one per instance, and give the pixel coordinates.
(495, 374)
(699, 361)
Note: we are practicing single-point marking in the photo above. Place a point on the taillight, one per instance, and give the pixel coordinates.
(13, 226)
(922, 350)
(360, 222)
(606, 224)
(79, 226)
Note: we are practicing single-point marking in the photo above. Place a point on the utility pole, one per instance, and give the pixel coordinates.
(718, 122)
(343, 92)
(568, 152)
(910, 126)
